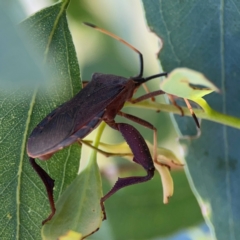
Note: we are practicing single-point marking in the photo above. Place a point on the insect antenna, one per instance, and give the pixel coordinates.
(154, 76)
(192, 112)
(139, 77)
(122, 41)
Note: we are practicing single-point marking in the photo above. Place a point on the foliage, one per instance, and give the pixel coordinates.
(23, 198)
(213, 170)
(203, 36)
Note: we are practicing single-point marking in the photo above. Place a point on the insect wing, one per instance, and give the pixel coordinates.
(71, 116)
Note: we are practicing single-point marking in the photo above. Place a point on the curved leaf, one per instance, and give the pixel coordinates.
(23, 197)
(166, 160)
(71, 235)
(78, 208)
(182, 83)
(204, 36)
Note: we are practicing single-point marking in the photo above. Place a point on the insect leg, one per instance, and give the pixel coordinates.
(156, 93)
(171, 97)
(49, 184)
(146, 96)
(146, 124)
(144, 85)
(141, 154)
(106, 154)
(192, 112)
(150, 94)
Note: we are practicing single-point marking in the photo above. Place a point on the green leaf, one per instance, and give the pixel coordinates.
(71, 235)
(78, 209)
(137, 212)
(204, 36)
(23, 198)
(166, 161)
(182, 82)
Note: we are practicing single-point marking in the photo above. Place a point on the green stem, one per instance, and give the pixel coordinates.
(210, 114)
(97, 139)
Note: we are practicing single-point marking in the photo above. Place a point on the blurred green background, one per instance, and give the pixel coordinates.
(136, 212)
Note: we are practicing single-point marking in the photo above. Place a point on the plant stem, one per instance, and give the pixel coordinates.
(97, 139)
(211, 114)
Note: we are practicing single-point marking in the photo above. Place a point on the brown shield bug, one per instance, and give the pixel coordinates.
(100, 100)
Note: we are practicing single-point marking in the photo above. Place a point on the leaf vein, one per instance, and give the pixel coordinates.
(23, 147)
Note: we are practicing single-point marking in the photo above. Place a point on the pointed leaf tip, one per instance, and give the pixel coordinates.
(187, 83)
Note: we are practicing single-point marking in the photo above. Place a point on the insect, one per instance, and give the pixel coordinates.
(100, 100)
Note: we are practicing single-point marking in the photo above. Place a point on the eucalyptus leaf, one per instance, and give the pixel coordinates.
(78, 209)
(164, 155)
(203, 35)
(184, 83)
(166, 161)
(71, 235)
(23, 197)
(137, 212)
